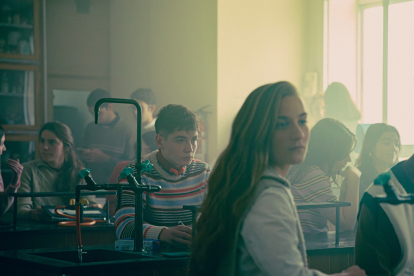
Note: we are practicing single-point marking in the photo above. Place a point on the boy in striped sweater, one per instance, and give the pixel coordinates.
(183, 181)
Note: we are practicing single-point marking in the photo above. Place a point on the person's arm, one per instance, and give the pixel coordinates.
(350, 186)
(25, 204)
(5, 199)
(125, 224)
(271, 233)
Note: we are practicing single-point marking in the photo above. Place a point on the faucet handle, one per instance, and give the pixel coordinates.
(383, 179)
(146, 166)
(125, 172)
(84, 173)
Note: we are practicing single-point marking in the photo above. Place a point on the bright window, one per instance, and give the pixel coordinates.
(401, 69)
(371, 98)
(400, 74)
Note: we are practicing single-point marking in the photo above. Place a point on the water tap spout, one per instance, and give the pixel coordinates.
(139, 124)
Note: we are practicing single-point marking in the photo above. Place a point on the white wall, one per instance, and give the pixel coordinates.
(343, 44)
(77, 46)
(170, 47)
(258, 42)
(313, 39)
(77, 43)
(195, 53)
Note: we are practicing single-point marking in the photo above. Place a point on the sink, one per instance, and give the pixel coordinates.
(91, 256)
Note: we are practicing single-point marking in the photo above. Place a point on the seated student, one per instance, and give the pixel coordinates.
(5, 199)
(384, 242)
(146, 99)
(249, 224)
(183, 180)
(330, 145)
(55, 171)
(379, 153)
(340, 106)
(108, 142)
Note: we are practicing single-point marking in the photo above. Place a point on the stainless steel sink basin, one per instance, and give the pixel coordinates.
(91, 256)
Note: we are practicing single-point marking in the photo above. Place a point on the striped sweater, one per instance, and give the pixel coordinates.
(165, 208)
(313, 186)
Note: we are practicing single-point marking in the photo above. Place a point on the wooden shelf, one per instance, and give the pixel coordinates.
(11, 95)
(16, 26)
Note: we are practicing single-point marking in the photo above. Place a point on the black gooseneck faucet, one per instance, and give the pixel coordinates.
(134, 183)
(139, 124)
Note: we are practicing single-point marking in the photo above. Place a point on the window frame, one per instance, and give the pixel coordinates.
(407, 149)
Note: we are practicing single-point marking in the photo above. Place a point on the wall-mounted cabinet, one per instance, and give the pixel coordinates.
(19, 97)
(20, 29)
(22, 92)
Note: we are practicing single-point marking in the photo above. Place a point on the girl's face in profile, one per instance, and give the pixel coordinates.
(290, 139)
(387, 148)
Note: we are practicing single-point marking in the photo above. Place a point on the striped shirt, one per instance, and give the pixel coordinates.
(313, 186)
(165, 208)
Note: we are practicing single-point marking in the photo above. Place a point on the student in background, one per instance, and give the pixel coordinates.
(248, 223)
(339, 105)
(384, 239)
(146, 99)
(182, 178)
(330, 145)
(379, 153)
(55, 171)
(5, 199)
(108, 142)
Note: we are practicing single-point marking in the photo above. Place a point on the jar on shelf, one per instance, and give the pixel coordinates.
(13, 39)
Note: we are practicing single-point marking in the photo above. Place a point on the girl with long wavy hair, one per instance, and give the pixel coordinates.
(379, 152)
(55, 171)
(248, 223)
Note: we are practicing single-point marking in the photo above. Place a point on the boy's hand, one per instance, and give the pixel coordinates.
(177, 235)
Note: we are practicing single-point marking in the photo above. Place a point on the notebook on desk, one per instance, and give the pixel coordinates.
(89, 212)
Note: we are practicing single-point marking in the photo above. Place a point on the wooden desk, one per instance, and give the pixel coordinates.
(325, 255)
(30, 235)
(26, 262)
(322, 252)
